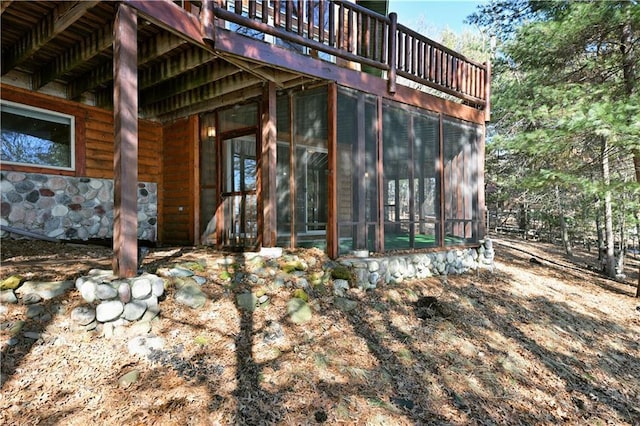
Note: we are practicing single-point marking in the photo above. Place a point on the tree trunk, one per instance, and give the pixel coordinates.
(623, 245)
(629, 68)
(566, 241)
(600, 234)
(609, 258)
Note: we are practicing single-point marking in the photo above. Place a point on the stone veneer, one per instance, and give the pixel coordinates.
(70, 208)
(372, 271)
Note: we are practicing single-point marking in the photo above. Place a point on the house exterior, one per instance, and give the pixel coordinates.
(239, 124)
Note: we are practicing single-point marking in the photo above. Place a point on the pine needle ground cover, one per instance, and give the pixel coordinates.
(527, 343)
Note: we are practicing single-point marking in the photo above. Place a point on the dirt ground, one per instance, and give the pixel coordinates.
(529, 343)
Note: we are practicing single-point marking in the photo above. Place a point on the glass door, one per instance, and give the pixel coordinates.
(239, 192)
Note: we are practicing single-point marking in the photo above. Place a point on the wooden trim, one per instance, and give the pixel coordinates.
(482, 208)
(47, 102)
(332, 148)
(270, 55)
(441, 178)
(487, 92)
(125, 162)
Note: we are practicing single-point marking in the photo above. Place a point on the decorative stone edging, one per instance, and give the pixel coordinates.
(370, 272)
(118, 300)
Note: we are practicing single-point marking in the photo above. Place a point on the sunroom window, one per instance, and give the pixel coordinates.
(37, 137)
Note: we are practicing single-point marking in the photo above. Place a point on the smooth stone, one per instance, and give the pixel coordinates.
(31, 335)
(106, 292)
(180, 272)
(8, 296)
(247, 301)
(31, 298)
(149, 315)
(344, 304)
(340, 287)
(129, 378)
(91, 326)
(46, 290)
(35, 310)
(11, 283)
(134, 310)
(141, 288)
(298, 310)
(157, 286)
(200, 280)
(124, 292)
(109, 310)
(191, 295)
(83, 315)
(142, 345)
(88, 291)
(139, 328)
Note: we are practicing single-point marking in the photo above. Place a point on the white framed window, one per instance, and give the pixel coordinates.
(37, 137)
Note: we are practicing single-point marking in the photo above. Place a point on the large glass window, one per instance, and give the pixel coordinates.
(411, 182)
(37, 137)
(460, 162)
(302, 168)
(357, 171)
(311, 161)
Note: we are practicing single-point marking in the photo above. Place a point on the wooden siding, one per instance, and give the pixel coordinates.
(94, 138)
(180, 191)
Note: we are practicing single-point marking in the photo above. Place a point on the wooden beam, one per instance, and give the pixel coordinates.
(76, 55)
(4, 5)
(199, 77)
(223, 100)
(332, 136)
(44, 31)
(209, 92)
(174, 66)
(125, 161)
(173, 18)
(102, 74)
(98, 76)
(158, 46)
(265, 73)
(268, 194)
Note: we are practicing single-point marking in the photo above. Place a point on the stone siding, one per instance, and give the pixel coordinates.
(371, 271)
(70, 208)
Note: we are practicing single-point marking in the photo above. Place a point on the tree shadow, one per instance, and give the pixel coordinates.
(13, 354)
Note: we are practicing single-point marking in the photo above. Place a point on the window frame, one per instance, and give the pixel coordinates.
(46, 112)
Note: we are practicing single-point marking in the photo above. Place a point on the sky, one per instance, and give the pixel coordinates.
(435, 15)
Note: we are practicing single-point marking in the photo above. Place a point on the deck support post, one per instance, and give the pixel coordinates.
(268, 166)
(125, 160)
(332, 136)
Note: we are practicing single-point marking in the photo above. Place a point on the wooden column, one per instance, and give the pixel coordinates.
(125, 161)
(332, 136)
(268, 166)
(487, 92)
(392, 62)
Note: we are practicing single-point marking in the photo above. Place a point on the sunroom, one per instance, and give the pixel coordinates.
(260, 124)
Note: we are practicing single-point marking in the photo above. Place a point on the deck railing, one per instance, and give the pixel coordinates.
(356, 34)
